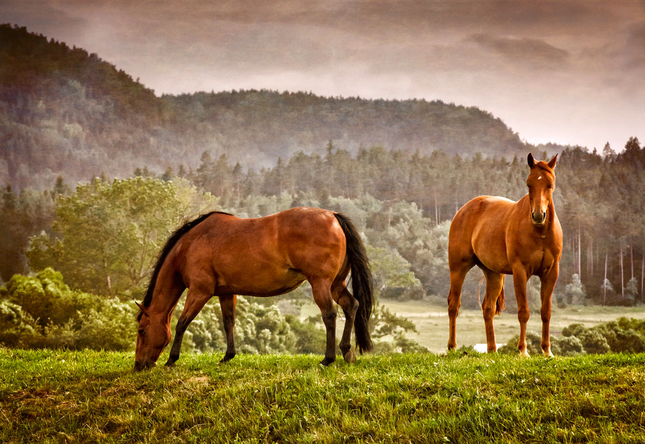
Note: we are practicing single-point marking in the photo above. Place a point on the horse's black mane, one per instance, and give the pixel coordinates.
(172, 241)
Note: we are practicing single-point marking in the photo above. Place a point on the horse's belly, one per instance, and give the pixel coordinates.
(258, 282)
(489, 246)
(495, 262)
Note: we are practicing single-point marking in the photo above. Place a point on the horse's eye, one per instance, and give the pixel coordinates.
(141, 331)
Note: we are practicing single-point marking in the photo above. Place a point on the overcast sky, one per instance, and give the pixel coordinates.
(570, 72)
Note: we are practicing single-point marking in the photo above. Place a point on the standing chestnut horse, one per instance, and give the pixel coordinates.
(221, 255)
(501, 237)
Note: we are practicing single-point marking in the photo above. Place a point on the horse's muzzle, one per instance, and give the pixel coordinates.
(538, 218)
(138, 365)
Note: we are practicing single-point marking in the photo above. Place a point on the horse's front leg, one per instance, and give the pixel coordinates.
(195, 301)
(520, 277)
(227, 304)
(546, 294)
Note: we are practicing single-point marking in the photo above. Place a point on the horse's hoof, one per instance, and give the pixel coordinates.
(524, 354)
(226, 358)
(327, 361)
(350, 357)
(170, 363)
(548, 354)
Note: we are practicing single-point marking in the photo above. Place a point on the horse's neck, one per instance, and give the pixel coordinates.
(162, 306)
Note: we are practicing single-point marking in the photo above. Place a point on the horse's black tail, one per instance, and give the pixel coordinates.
(362, 283)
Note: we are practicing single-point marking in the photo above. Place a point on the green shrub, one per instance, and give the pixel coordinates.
(310, 334)
(570, 346)
(573, 330)
(594, 342)
(16, 326)
(41, 311)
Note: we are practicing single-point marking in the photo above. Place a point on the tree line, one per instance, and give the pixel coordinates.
(600, 199)
(402, 202)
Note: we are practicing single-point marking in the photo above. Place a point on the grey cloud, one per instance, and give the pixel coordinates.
(532, 52)
(634, 48)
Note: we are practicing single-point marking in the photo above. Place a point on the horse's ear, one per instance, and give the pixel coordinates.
(143, 309)
(531, 160)
(553, 161)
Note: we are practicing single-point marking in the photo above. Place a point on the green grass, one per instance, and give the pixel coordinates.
(48, 396)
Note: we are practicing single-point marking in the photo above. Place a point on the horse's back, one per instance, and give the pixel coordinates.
(263, 256)
(480, 212)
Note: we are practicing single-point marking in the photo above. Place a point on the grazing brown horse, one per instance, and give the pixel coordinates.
(221, 255)
(502, 237)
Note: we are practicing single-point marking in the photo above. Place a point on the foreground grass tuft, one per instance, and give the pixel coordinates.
(48, 396)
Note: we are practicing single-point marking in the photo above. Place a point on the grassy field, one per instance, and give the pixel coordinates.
(83, 397)
(431, 321)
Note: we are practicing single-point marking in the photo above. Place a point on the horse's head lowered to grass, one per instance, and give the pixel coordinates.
(152, 337)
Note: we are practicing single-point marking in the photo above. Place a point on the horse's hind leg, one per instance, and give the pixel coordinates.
(457, 276)
(195, 301)
(228, 316)
(349, 304)
(321, 289)
(494, 288)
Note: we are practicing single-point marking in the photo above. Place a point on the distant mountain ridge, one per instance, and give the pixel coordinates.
(66, 112)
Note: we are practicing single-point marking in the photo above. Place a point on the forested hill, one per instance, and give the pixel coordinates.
(66, 112)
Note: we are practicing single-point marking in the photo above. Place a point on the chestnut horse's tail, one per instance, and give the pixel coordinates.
(501, 303)
(170, 243)
(362, 282)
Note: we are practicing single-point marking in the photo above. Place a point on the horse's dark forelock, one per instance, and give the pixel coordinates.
(170, 243)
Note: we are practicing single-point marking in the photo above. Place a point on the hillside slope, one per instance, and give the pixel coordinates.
(64, 111)
(96, 397)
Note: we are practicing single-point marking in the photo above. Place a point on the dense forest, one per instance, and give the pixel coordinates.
(66, 112)
(600, 200)
(402, 202)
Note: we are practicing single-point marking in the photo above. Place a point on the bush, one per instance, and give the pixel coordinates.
(573, 330)
(41, 311)
(259, 329)
(16, 326)
(594, 342)
(620, 336)
(570, 346)
(310, 335)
